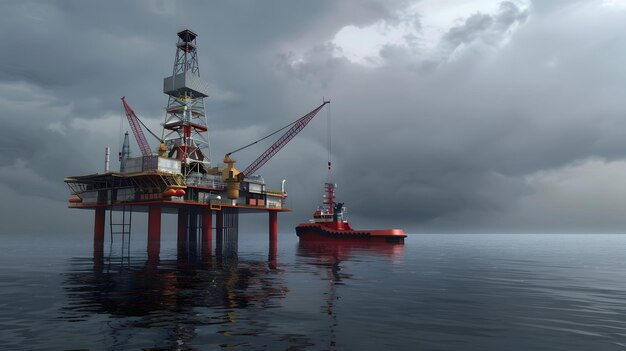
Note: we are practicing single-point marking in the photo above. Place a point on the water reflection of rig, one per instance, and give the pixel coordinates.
(180, 178)
(174, 296)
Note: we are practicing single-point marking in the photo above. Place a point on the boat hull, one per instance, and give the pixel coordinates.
(318, 232)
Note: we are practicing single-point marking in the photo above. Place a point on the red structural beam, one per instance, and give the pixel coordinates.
(181, 125)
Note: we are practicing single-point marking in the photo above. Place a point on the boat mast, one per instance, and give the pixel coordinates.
(329, 197)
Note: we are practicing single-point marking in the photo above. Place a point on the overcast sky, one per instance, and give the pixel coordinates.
(447, 116)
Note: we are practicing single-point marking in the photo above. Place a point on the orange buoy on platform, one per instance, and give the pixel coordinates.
(75, 200)
(180, 192)
(169, 192)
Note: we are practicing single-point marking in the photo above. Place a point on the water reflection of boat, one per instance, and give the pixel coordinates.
(344, 250)
(329, 257)
(329, 223)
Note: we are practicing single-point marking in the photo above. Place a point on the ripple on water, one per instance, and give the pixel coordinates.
(469, 292)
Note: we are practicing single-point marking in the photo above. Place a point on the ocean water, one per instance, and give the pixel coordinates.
(436, 292)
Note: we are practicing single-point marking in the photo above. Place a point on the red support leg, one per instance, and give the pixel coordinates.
(98, 231)
(271, 255)
(207, 231)
(154, 229)
(273, 234)
(273, 226)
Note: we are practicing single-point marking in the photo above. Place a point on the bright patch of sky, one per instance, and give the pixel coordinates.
(614, 3)
(420, 25)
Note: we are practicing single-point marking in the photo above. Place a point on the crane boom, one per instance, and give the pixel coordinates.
(297, 126)
(133, 120)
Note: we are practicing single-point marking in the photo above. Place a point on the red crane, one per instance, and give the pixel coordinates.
(134, 122)
(296, 127)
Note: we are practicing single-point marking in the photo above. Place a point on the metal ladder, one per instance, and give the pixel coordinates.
(122, 226)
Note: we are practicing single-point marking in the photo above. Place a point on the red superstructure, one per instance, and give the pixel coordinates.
(329, 223)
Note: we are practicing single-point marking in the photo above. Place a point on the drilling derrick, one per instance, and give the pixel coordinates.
(185, 130)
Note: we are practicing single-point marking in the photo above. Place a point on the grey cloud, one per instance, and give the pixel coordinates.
(482, 29)
(473, 27)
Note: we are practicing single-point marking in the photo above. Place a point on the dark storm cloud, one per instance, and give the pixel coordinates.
(450, 144)
(445, 139)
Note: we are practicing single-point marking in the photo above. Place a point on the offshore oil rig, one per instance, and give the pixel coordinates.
(179, 177)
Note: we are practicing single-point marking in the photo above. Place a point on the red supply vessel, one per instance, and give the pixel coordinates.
(329, 223)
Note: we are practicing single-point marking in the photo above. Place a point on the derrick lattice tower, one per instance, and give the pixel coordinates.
(185, 130)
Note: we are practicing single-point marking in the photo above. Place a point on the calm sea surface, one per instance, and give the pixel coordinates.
(437, 292)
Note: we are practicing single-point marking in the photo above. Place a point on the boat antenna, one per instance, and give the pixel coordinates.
(328, 136)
